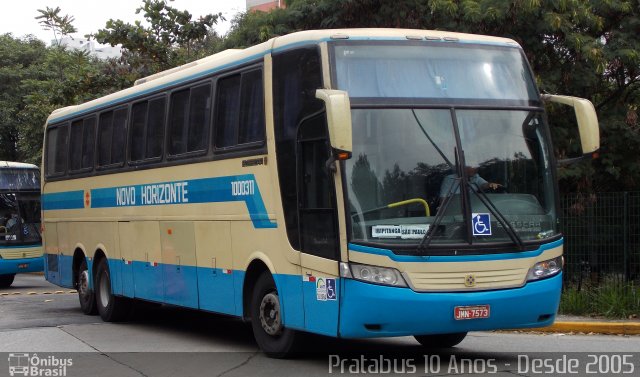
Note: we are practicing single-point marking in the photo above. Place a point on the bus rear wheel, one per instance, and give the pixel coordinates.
(441, 340)
(6, 280)
(85, 293)
(111, 308)
(273, 338)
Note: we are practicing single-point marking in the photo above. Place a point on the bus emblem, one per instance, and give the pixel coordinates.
(470, 280)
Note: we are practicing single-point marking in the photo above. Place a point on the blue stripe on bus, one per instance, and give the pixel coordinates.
(454, 258)
(63, 200)
(193, 191)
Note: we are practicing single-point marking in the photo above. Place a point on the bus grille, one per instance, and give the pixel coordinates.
(20, 253)
(466, 280)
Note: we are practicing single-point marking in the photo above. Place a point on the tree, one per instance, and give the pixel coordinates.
(18, 59)
(172, 38)
(35, 80)
(59, 25)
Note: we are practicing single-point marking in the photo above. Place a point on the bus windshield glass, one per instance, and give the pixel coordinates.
(404, 169)
(455, 170)
(19, 179)
(19, 206)
(433, 70)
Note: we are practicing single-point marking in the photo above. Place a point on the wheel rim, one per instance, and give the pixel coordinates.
(270, 318)
(83, 284)
(104, 291)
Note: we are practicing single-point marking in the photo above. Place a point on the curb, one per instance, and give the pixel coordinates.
(617, 328)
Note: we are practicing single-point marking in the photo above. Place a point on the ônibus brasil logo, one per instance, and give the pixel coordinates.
(24, 364)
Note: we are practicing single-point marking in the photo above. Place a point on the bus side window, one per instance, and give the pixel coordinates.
(251, 108)
(75, 149)
(57, 149)
(147, 129)
(119, 139)
(112, 137)
(105, 131)
(189, 119)
(240, 110)
(138, 122)
(82, 144)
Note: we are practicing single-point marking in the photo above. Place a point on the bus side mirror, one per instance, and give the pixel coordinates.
(587, 120)
(339, 121)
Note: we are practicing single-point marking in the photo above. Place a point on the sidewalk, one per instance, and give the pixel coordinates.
(575, 324)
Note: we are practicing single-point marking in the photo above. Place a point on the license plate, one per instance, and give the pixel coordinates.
(471, 312)
(23, 265)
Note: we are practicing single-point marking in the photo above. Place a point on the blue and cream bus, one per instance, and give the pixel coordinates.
(351, 183)
(20, 240)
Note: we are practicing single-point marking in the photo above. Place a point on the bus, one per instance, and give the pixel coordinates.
(20, 240)
(336, 182)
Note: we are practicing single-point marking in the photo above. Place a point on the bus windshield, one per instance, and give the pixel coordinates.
(404, 166)
(455, 169)
(19, 207)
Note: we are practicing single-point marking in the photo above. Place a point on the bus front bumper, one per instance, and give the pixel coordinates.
(18, 266)
(369, 310)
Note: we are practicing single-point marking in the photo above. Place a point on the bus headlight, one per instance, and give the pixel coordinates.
(545, 269)
(372, 274)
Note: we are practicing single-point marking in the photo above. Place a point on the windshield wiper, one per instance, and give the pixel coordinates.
(413, 111)
(426, 240)
(501, 219)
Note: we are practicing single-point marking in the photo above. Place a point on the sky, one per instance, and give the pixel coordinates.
(18, 16)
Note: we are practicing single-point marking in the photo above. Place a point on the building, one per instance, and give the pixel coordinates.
(101, 52)
(264, 5)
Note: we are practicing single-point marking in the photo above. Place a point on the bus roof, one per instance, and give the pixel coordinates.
(229, 59)
(16, 165)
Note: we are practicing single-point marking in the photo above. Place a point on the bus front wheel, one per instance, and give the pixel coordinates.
(6, 280)
(272, 337)
(85, 293)
(441, 340)
(111, 308)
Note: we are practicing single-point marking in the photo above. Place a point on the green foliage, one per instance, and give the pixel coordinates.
(575, 302)
(171, 39)
(610, 299)
(35, 80)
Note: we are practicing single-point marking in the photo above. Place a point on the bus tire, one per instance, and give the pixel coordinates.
(6, 280)
(441, 340)
(86, 295)
(111, 308)
(272, 337)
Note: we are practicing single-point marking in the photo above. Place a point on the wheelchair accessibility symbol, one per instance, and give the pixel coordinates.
(481, 223)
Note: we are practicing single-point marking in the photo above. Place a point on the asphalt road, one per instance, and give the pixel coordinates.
(45, 322)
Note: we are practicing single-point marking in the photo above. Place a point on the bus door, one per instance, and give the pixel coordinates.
(318, 227)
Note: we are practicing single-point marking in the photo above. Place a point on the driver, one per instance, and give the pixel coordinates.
(475, 181)
(12, 222)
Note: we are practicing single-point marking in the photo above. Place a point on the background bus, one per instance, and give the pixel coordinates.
(300, 184)
(20, 240)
